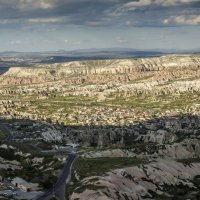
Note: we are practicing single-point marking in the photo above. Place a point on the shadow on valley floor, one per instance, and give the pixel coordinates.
(159, 130)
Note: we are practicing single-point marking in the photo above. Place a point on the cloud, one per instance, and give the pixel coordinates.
(121, 40)
(46, 20)
(137, 4)
(150, 12)
(98, 13)
(99, 22)
(36, 4)
(8, 21)
(174, 2)
(19, 42)
(183, 20)
(131, 6)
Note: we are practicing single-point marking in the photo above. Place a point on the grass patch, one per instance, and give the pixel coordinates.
(96, 167)
(99, 166)
(2, 135)
(189, 161)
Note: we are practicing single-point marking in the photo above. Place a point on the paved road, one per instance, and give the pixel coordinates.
(58, 189)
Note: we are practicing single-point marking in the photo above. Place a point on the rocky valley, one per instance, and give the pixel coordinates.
(137, 122)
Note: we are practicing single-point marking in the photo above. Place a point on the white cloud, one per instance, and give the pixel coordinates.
(19, 42)
(41, 4)
(173, 2)
(46, 20)
(128, 22)
(183, 20)
(102, 21)
(166, 21)
(123, 10)
(121, 40)
(8, 21)
(29, 4)
(136, 4)
(143, 3)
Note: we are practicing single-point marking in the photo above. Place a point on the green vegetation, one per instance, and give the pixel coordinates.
(2, 135)
(55, 105)
(196, 181)
(138, 147)
(98, 166)
(158, 103)
(189, 161)
(180, 191)
(30, 171)
(177, 192)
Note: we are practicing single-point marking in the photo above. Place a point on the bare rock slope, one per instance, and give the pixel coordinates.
(150, 181)
(102, 71)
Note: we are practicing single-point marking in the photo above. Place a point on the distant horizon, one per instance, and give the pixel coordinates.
(110, 49)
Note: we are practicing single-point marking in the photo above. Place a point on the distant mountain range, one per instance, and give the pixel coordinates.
(101, 53)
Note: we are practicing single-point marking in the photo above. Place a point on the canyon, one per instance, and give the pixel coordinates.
(137, 121)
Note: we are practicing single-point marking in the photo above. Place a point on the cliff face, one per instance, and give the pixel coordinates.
(100, 71)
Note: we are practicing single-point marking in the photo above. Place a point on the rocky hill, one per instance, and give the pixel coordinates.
(103, 71)
(162, 179)
(103, 91)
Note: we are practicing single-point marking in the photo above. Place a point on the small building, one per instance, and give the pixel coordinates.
(16, 181)
(24, 185)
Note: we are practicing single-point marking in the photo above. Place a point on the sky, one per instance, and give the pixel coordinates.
(48, 25)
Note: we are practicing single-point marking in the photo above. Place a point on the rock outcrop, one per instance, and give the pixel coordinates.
(124, 70)
(142, 182)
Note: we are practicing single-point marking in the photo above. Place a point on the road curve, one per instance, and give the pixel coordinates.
(58, 189)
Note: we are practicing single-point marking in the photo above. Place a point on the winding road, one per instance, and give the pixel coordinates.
(58, 189)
